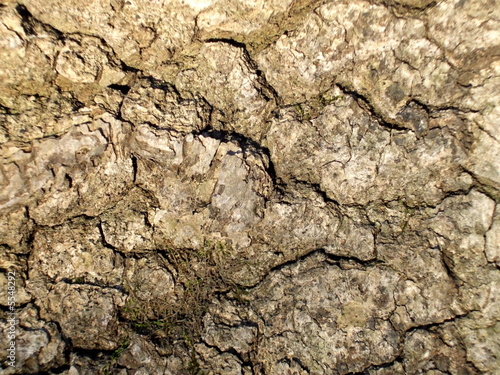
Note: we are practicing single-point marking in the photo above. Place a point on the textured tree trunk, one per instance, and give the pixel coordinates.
(250, 187)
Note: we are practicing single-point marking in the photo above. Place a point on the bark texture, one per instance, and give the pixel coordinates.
(251, 187)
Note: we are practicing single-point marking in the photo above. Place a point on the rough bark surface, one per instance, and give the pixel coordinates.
(251, 187)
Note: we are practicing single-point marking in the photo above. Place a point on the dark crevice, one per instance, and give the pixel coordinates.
(432, 326)
(134, 168)
(329, 258)
(83, 282)
(27, 21)
(70, 220)
(225, 136)
(126, 68)
(244, 358)
(402, 11)
(67, 341)
(261, 77)
(124, 89)
(103, 238)
(161, 85)
(290, 361)
(301, 364)
(317, 189)
(423, 205)
(241, 324)
(266, 89)
(231, 42)
(18, 307)
(365, 103)
(431, 110)
(338, 260)
(205, 111)
(77, 104)
(30, 23)
(448, 265)
(290, 263)
(246, 144)
(486, 189)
